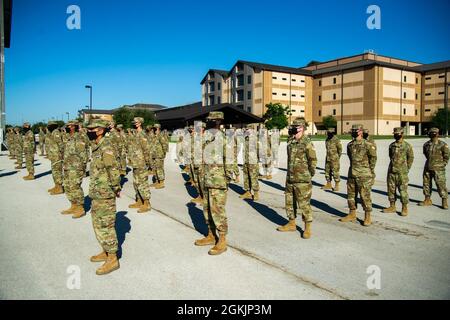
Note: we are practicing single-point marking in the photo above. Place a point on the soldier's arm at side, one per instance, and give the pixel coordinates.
(410, 156)
(445, 153)
(112, 168)
(372, 155)
(312, 159)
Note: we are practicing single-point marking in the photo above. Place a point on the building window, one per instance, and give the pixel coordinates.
(294, 95)
(417, 96)
(417, 80)
(404, 95)
(211, 87)
(347, 123)
(284, 79)
(442, 92)
(249, 95)
(274, 93)
(240, 95)
(320, 113)
(428, 78)
(219, 100)
(283, 94)
(240, 80)
(303, 81)
(302, 96)
(334, 80)
(416, 112)
(427, 110)
(404, 78)
(302, 111)
(249, 79)
(320, 98)
(293, 80)
(334, 112)
(334, 96)
(219, 86)
(404, 111)
(387, 122)
(274, 78)
(249, 109)
(211, 100)
(320, 83)
(441, 76)
(428, 94)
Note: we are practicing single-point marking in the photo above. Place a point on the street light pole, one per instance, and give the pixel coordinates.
(67, 116)
(90, 99)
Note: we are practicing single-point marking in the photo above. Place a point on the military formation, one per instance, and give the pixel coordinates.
(102, 151)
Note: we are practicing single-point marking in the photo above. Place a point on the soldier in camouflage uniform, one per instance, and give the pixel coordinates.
(266, 152)
(250, 168)
(402, 157)
(332, 162)
(18, 143)
(197, 161)
(9, 141)
(42, 141)
(104, 188)
(437, 154)
(29, 148)
(123, 150)
(74, 165)
(116, 141)
(217, 175)
(158, 152)
(302, 161)
(47, 138)
(139, 157)
(370, 139)
(363, 157)
(55, 152)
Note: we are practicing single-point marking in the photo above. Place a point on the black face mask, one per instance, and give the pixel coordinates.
(210, 125)
(432, 135)
(67, 130)
(397, 136)
(365, 135)
(52, 128)
(354, 134)
(330, 135)
(92, 135)
(292, 131)
(26, 129)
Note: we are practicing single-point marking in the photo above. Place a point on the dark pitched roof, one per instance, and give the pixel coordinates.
(97, 111)
(178, 117)
(150, 106)
(272, 67)
(433, 66)
(223, 73)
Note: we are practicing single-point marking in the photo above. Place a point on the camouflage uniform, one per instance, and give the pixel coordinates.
(333, 158)
(363, 156)
(437, 154)
(9, 141)
(139, 158)
(123, 150)
(197, 163)
(18, 142)
(158, 152)
(104, 185)
(55, 152)
(370, 139)
(74, 164)
(302, 163)
(251, 167)
(402, 157)
(29, 149)
(266, 153)
(42, 141)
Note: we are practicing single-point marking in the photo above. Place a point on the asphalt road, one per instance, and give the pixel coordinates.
(42, 251)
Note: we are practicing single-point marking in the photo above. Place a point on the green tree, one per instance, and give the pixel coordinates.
(329, 122)
(276, 116)
(438, 120)
(35, 127)
(149, 116)
(124, 116)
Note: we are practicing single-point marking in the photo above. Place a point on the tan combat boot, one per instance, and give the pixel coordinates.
(246, 195)
(220, 247)
(237, 179)
(58, 190)
(390, 209)
(78, 212)
(70, 210)
(336, 186)
(111, 264)
(102, 256)
(425, 203)
(29, 177)
(327, 186)
(18, 167)
(145, 207)
(269, 177)
(51, 189)
(444, 204)
(367, 220)
(210, 239)
(404, 212)
(307, 231)
(351, 217)
(123, 172)
(160, 185)
(198, 200)
(136, 205)
(288, 227)
(256, 196)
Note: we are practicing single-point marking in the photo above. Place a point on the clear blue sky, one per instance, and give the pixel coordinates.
(158, 51)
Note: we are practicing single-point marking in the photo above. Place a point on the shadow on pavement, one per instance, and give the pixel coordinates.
(272, 184)
(43, 174)
(87, 203)
(197, 218)
(123, 226)
(325, 207)
(8, 173)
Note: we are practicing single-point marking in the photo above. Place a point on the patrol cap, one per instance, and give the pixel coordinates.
(98, 124)
(215, 115)
(249, 126)
(73, 123)
(299, 122)
(357, 127)
(138, 119)
(331, 130)
(398, 130)
(51, 123)
(434, 130)
(157, 125)
(26, 124)
(120, 126)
